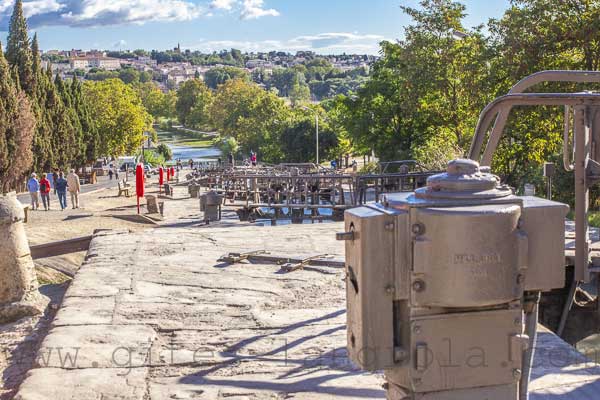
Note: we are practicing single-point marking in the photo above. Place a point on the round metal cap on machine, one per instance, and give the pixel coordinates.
(463, 180)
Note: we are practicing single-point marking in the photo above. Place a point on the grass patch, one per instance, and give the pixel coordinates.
(188, 139)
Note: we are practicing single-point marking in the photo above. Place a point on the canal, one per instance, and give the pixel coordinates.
(186, 147)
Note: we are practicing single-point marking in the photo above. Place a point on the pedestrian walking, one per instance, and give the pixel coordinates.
(45, 191)
(231, 159)
(74, 187)
(55, 178)
(34, 186)
(61, 190)
(253, 159)
(116, 174)
(110, 174)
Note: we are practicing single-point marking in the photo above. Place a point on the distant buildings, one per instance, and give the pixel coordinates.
(100, 62)
(169, 75)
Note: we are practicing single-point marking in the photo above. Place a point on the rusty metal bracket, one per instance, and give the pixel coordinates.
(234, 258)
(292, 266)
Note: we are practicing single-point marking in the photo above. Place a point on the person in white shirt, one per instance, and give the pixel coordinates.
(74, 187)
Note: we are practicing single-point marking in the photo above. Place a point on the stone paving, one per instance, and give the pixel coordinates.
(153, 315)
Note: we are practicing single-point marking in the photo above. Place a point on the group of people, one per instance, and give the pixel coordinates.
(60, 184)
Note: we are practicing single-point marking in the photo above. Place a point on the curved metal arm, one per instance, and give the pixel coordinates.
(505, 103)
(502, 116)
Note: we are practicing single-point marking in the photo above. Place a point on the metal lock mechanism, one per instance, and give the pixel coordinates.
(436, 278)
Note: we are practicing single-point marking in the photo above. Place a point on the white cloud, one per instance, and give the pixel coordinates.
(253, 9)
(344, 39)
(109, 12)
(36, 7)
(101, 12)
(324, 43)
(223, 4)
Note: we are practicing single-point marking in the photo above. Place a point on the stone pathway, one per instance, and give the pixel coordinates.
(153, 315)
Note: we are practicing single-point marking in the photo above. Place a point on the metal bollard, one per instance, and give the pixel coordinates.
(19, 295)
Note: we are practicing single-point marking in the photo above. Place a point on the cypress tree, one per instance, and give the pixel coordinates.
(16, 128)
(18, 52)
(88, 129)
(5, 100)
(36, 62)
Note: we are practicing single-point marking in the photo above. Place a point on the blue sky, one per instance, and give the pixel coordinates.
(325, 26)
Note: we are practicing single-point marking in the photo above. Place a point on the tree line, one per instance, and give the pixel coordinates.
(48, 123)
(423, 98)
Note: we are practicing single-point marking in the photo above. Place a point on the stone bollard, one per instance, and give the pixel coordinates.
(194, 190)
(152, 204)
(19, 295)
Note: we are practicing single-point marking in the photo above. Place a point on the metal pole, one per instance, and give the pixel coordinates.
(317, 118)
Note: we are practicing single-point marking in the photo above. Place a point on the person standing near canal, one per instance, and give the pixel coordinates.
(33, 186)
(45, 191)
(61, 190)
(74, 188)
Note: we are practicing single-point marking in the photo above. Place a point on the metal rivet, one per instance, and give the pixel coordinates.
(517, 373)
(418, 229)
(390, 289)
(416, 329)
(389, 226)
(418, 285)
(400, 354)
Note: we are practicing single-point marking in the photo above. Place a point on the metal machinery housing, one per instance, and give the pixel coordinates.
(436, 281)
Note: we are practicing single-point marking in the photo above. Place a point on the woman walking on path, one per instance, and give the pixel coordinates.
(45, 191)
(33, 186)
(74, 188)
(61, 190)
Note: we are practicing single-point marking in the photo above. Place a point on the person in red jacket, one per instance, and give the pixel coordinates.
(45, 191)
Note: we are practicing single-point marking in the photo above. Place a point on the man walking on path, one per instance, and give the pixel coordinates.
(74, 187)
(33, 186)
(61, 190)
(45, 191)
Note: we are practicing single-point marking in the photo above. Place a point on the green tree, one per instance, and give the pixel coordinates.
(129, 75)
(193, 101)
(88, 124)
(158, 103)
(165, 151)
(427, 85)
(18, 52)
(298, 138)
(17, 126)
(299, 93)
(120, 116)
(251, 115)
(229, 146)
(219, 75)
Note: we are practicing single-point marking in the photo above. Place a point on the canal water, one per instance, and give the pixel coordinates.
(184, 150)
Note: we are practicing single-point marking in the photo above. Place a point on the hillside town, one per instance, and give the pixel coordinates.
(170, 74)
